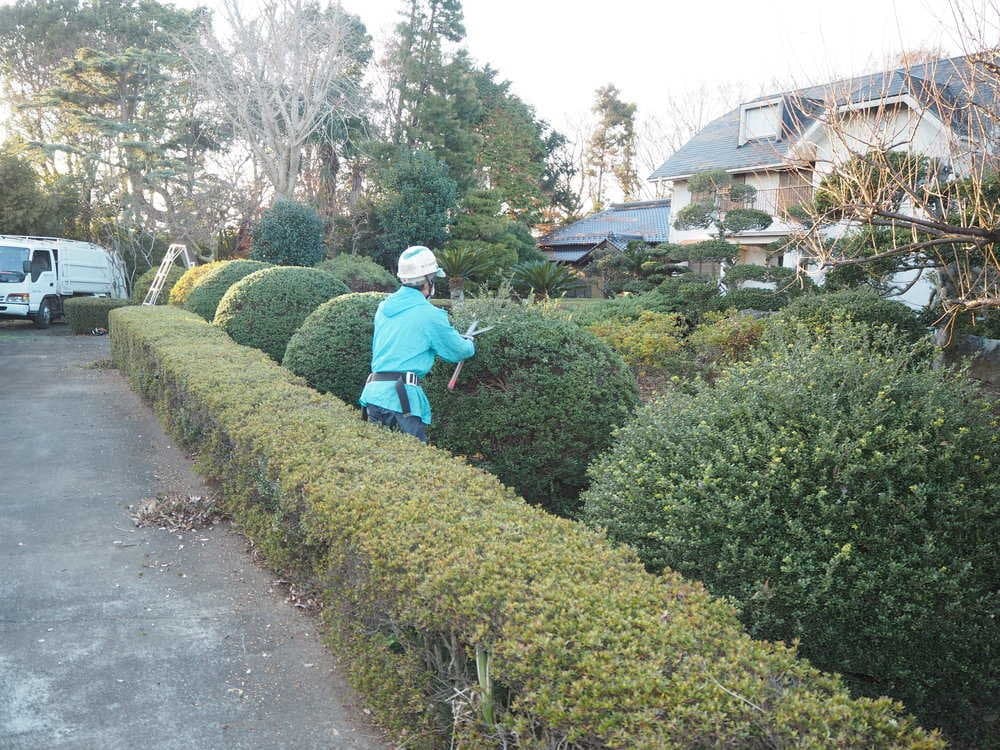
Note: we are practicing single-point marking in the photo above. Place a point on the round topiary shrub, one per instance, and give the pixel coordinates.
(819, 311)
(326, 350)
(144, 282)
(843, 493)
(289, 234)
(191, 278)
(204, 298)
(361, 274)
(264, 309)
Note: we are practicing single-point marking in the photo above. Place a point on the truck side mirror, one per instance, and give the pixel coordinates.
(26, 266)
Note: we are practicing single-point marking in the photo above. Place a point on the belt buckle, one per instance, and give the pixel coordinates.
(412, 379)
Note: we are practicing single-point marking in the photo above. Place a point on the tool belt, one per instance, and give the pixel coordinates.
(402, 379)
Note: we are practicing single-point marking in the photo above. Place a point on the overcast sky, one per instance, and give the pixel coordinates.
(557, 52)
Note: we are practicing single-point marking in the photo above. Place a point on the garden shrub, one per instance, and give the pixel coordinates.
(842, 493)
(264, 309)
(750, 298)
(83, 314)
(725, 337)
(649, 341)
(688, 295)
(332, 348)
(423, 559)
(289, 234)
(144, 282)
(819, 311)
(180, 291)
(534, 405)
(361, 274)
(208, 290)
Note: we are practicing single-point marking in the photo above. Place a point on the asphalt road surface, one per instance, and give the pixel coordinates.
(113, 636)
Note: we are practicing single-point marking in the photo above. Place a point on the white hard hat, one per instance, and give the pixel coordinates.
(417, 262)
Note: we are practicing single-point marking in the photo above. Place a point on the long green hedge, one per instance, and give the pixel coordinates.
(425, 560)
(84, 314)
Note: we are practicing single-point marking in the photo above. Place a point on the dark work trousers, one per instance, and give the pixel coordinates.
(407, 423)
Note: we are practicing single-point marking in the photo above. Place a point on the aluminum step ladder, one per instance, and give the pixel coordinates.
(173, 252)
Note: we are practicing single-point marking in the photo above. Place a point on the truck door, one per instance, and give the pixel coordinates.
(43, 277)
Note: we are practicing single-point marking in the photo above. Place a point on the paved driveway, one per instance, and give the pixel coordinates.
(117, 637)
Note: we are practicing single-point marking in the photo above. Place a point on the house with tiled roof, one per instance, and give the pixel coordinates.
(611, 229)
(782, 145)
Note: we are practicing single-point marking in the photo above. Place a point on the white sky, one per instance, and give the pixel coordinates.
(557, 52)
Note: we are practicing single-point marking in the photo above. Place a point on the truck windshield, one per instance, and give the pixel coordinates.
(12, 263)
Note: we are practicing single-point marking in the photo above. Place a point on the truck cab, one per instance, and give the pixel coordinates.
(38, 273)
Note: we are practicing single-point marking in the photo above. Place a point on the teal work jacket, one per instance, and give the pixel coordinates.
(409, 333)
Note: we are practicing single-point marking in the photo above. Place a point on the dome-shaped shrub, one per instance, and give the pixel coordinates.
(843, 493)
(290, 234)
(535, 404)
(180, 291)
(327, 350)
(264, 309)
(361, 274)
(819, 311)
(204, 298)
(144, 282)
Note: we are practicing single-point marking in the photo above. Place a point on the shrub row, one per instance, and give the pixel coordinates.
(264, 309)
(180, 290)
(209, 289)
(83, 314)
(425, 561)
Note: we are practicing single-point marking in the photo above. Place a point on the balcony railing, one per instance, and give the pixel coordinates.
(776, 201)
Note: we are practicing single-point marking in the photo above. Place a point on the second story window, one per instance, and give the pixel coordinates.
(760, 121)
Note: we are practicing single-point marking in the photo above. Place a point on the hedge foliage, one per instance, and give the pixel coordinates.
(534, 406)
(210, 288)
(289, 234)
(83, 314)
(264, 309)
(141, 287)
(688, 295)
(327, 350)
(843, 493)
(423, 558)
(361, 274)
(820, 311)
(180, 291)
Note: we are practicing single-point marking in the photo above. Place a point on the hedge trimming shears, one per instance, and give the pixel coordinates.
(470, 334)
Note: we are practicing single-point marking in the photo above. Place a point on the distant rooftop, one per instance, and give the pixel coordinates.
(716, 146)
(648, 221)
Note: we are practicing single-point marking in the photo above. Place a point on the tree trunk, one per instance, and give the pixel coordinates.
(456, 288)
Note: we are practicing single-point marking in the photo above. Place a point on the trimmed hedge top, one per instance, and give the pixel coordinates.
(425, 558)
(211, 287)
(83, 314)
(361, 274)
(264, 309)
(180, 291)
(326, 350)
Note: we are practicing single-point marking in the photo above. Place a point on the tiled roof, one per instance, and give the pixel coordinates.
(648, 221)
(716, 146)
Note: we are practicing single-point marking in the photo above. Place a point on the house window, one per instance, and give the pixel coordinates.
(760, 121)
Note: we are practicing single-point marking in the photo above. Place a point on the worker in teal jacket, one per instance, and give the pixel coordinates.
(409, 333)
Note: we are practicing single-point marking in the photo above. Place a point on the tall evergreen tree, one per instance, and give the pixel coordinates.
(611, 149)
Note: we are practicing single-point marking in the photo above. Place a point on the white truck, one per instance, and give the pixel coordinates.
(38, 273)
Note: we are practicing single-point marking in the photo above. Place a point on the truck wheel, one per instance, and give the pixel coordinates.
(43, 318)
